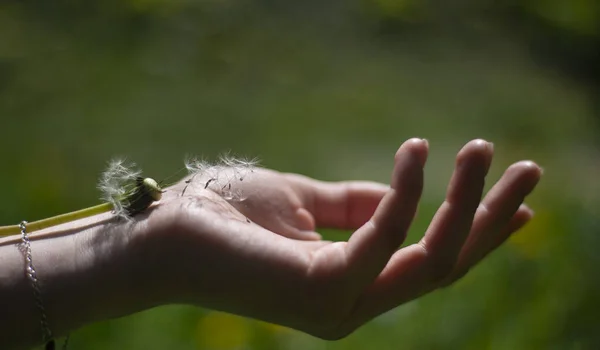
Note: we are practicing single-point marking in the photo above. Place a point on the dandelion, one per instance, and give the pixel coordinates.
(125, 193)
(128, 193)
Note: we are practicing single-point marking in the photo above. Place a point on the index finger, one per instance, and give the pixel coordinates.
(419, 268)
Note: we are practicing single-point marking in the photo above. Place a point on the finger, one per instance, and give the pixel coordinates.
(407, 269)
(341, 205)
(521, 218)
(371, 246)
(419, 268)
(405, 278)
(475, 255)
(452, 222)
(499, 207)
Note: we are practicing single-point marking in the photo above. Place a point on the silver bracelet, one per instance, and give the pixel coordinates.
(37, 292)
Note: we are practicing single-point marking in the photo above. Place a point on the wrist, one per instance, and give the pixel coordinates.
(88, 276)
(88, 270)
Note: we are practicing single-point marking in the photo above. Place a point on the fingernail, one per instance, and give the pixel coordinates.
(423, 156)
(528, 209)
(485, 149)
(403, 154)
(531, 211)
(488, 164)
(482, 144)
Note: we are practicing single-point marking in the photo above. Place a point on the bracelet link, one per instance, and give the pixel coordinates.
(37, 292)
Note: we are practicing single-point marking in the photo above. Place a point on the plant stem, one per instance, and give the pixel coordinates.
(56, 220)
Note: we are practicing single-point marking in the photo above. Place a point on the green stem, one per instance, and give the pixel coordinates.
(56, 220)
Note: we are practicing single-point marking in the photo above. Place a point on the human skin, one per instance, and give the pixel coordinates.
(262, 257)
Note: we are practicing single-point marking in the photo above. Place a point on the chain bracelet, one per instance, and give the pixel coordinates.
(37, 292)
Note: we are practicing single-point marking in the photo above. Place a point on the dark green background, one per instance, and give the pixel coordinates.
(328, 90)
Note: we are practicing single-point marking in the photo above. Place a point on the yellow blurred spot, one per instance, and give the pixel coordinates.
(530, 239)
(222, 331)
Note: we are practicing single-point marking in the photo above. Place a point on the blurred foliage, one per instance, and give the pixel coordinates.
(327, 89)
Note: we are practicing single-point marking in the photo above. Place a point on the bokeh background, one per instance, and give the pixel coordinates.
(330, 90)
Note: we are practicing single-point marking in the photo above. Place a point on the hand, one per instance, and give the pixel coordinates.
(290, 205)
(261, 257)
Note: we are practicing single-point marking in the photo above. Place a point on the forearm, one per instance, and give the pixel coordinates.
(88, 270)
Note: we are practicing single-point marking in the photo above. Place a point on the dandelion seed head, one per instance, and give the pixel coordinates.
(223, 177)
(115, 183)
(194, 165)
(238, 163)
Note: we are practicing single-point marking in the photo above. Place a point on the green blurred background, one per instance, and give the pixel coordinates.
(330, 90)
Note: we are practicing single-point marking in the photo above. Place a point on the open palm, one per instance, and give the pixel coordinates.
(262, 258)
